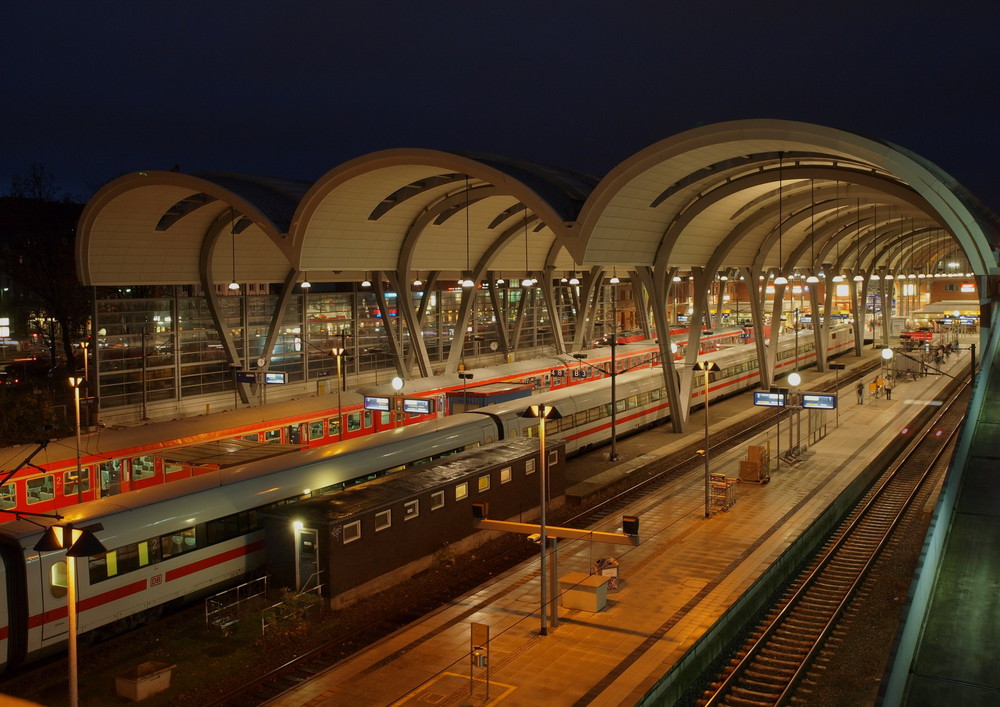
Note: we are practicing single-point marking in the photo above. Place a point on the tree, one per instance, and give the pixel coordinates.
(37, 255)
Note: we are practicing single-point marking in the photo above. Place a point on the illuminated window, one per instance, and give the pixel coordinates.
(57, 580)
(529, 466)
(69, 481)
(315, 430)
(40, 489)
(333, 427)
(143, 468)
(272, 436)
(8, 498)
(505, 475)
(411, 509)
(484, 483)
(461, 491)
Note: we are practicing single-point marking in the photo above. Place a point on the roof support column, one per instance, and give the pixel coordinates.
(642, 305)
(278, 316)
(701, 282)
(659, 285)
(820, 337)
(858, 309)
(394, 338)
(777, 304)
(414, 323)
(549, 295)
(751, 277)
(500, 315)
(885, 294)
(588, 295)
(522, 308)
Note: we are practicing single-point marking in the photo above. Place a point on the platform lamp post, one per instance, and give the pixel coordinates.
(794, 380)
(466, 377)
(338, 353)
(707, 367)
(542, 413)
(397, 399)
(78, 542)
(887, 354)
(75, 383)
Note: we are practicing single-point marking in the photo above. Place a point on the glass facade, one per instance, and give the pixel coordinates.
(167, 348)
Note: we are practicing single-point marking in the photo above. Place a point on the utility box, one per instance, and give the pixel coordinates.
(756, 467)
(144, 680)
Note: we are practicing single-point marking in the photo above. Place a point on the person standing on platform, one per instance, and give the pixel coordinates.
(861, 393)
(888, 388)
(873, 389)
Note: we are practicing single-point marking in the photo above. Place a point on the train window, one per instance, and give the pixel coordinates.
(411, 509)
(437, 500)
(178, 543)
(57, 580)
(354, 422)
(654, 394)
(272, 436)
(69, 481)
(484, 483)
(352, 531)
(632, 401)
(250, 438)
(579, 419)
(222, 529)
(620, 405)
(333, 427)
(40, 489)
(461, 491)
(172, 467)
(383, 519)
(385, 419)
(529, 466)
(505, 474)
(368, 419)
(8, 496)
(315, 430)
(143, 468)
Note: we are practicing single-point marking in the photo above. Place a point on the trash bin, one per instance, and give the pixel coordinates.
(608, 567)
(143, 680)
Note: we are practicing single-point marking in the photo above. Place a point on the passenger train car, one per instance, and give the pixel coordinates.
(139, 457)
(170, 541)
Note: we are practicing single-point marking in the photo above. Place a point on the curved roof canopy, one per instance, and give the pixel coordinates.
(765, 194)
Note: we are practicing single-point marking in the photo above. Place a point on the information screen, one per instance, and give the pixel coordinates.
(819, 401)
(376, 403)
(274, 377)
(418, 406)
(773, 400)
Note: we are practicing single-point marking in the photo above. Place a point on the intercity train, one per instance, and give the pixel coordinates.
(169, 542)
(142, 456)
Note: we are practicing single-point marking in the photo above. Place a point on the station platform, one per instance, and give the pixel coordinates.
(688, 573)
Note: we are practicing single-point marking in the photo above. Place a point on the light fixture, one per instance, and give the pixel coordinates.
(574, 280)
(677, 278)
(859, 278)
(366, 282)
(527, 281)
(614, 277)
(500, 279)
(564, 279)
(233, 285)
(417, 282)
(780, 279)
(305, 281)
(466, 281)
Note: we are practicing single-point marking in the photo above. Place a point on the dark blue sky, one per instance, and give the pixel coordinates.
(291, 89)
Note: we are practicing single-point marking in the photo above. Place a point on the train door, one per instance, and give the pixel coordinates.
(306, 558)
(111, 477)
(52, 578)
(294, 434)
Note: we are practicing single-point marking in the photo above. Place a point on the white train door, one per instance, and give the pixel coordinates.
(306, 558)
(52, 578)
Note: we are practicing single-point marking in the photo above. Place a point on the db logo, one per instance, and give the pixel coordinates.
(155, 579)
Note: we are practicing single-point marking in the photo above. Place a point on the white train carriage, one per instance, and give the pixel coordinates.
(172, 541)
(642, 398)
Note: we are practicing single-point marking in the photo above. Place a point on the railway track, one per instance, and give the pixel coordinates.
(771, 666)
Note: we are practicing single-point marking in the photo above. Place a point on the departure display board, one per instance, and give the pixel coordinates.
(819, 401)
(373, 402)
(773, 400)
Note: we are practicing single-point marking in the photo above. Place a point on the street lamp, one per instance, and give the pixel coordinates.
(75, 383)
(542, 413)
(79, 542)
(338, 353)
(707, 367)
(466, 377)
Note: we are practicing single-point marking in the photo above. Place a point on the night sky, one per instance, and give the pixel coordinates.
(291, 89)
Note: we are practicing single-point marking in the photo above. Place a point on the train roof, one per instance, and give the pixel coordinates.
(412, 482)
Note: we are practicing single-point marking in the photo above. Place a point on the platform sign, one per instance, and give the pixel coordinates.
(417, 406)
(246, 376)
(773, 400)
(377, 402)
(819, 401)
(274, 377)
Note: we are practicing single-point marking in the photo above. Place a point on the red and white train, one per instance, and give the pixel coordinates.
(170, 541)
(140, 457)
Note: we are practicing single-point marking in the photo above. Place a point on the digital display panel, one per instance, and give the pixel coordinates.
(376, 403)
(773, 400)
(417, 406)
(274, 377)
(819, 401)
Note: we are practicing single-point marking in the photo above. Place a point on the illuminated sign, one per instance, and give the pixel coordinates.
(376, 403)
(967, 287)
(773, 400)
(417, 406)
(274, 377)
(819, 401)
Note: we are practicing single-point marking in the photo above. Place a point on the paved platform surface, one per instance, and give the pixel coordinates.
(673, 587)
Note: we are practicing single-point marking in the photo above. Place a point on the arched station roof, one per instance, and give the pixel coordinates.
(765, 194)
(781, 195)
